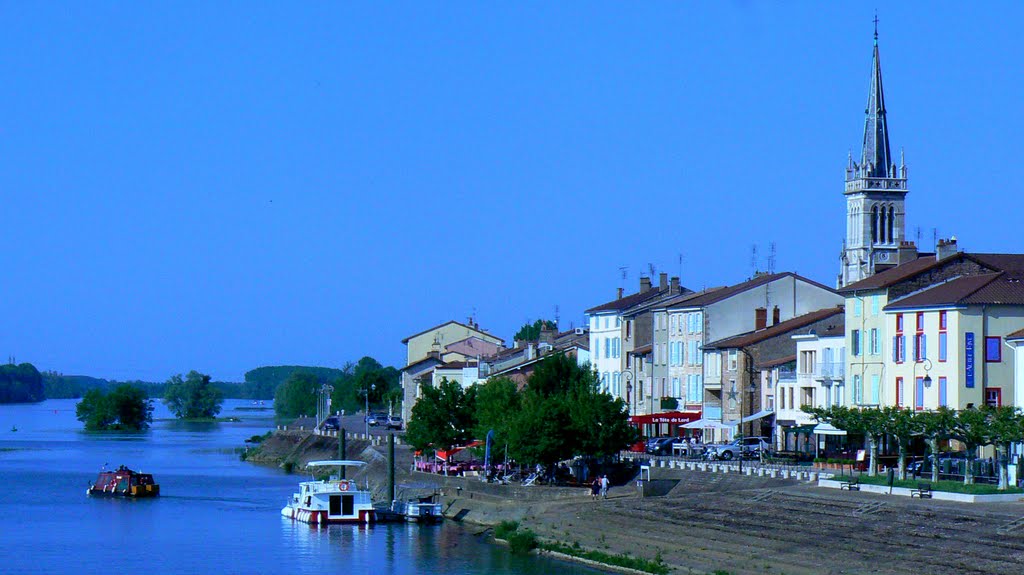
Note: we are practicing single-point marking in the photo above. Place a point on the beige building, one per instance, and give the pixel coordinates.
(452, 347)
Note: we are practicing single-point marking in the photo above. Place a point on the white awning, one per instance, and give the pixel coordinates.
(758, 415)
(827, 429)
(707, 424)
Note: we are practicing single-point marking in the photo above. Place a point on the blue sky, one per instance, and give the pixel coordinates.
(219, 186)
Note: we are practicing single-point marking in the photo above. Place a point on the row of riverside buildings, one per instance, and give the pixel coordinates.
(901, 328)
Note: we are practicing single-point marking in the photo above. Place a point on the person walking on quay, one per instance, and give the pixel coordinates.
(595, 488)
(604, 487)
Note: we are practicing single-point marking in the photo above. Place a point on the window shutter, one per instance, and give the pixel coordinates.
(924, 346)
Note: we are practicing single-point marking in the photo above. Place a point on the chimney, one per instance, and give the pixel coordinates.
(530, 351)
(907, 253)
(760, 318)
(775, 315)
(547, 335)
(618, 293)
(945, 248)
(674, 283)
(662, 280)
(645, 284)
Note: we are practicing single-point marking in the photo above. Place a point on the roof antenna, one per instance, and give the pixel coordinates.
(771, 257)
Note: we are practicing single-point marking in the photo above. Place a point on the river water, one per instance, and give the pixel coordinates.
(215, 514)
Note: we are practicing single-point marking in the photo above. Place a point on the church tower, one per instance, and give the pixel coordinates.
(876, 191)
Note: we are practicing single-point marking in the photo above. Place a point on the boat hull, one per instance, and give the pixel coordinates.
(320, 516)
(133, 492)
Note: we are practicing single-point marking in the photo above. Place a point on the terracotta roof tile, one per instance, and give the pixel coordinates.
(629, 301)
(787, 326)
(1002, 288)
(892, 276)
(713, 296)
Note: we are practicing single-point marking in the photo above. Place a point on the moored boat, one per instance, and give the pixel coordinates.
(123, 482)
(333, 500)
(422, 510)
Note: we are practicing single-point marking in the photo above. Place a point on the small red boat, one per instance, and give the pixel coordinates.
(123, 482)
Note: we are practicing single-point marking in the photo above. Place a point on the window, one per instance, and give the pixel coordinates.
(920, 347)
(942, 321)
(994, 397)
(874, 347)
(616, 381)
(606, 322)
(993, 349)
(919, 394)
(858, 390)
(618, 321)
(604, 382)
(899, 323)
(874, 305)
(607, 347)
(855, 342)
(675, 387)
(899, 392)
(857, 307)
(943, 337)
(732, 360)
(618, 348)
(782, 398)
(629, 329)
(942, 392)
(792, 404)
(920, 321)
(899, 348)
(874, 390)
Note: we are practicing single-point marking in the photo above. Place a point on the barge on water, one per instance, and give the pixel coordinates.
(334, 500)
(123, 482)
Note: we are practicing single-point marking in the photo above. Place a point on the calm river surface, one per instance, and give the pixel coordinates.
(216, 514)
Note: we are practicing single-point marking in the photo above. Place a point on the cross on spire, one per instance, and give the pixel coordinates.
(876, 27)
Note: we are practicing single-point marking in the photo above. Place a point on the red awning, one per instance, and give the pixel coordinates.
(676, 417)
(444, 455)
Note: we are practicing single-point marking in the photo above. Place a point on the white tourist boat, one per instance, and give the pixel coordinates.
(418, 510)
(333, 500)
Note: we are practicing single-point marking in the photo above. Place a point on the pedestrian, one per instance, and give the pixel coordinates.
(595, 488)
(604, 487)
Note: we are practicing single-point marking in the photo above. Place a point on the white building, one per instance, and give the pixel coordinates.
(819, 382)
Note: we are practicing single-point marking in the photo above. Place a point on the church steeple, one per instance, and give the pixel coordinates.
(875, 193)
(876, 160)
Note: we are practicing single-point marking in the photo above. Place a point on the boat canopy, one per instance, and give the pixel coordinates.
(336, 463)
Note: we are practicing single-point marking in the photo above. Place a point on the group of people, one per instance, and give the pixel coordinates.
(599, 488)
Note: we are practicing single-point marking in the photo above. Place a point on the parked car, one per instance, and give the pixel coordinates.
(738, 447)
(331, 424)
(375, 419)
(393, 422)
(660, 445)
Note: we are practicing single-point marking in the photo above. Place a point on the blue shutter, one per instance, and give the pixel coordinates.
(924, 346)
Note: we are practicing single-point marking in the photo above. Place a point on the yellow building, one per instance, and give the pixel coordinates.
(947, 343)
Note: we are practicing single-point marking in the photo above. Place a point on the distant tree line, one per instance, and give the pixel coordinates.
(351, 386)
(20, 383)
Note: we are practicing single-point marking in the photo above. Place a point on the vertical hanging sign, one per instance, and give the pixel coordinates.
(969, 359)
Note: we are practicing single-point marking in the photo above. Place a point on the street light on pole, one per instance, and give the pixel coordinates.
(927, 381)
(366, 418)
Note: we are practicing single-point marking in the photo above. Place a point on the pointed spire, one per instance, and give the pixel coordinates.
(876, 159)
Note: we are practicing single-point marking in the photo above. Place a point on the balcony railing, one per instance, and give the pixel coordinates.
(823, 370)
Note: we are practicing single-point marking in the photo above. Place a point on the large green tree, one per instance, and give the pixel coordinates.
(563, 415)
(899, 423)
(972, 427)
(1006, 425)
(497, 404)
(193, 397)
(443, 417)
(367, 377)
(297, 396)
(934, 426)
(125, 407)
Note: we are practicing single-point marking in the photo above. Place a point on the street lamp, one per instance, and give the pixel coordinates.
(366, 418)
(927, 367)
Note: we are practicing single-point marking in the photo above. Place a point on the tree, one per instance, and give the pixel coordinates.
(866, 422)
(1006, 425)
(531, 331)
(443, 417)
(193, 397)
(934, 426)
(563, 415)
(900, 424)
(21, 383)
(497, 403)
(972, 428)
(297, 396)
(125, 407)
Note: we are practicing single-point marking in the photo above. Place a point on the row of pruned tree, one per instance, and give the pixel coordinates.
(1000, 427)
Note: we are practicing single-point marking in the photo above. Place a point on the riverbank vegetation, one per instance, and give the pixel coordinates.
(525, 540)
(1001, 427)
(125, 407)
(21, 383)
(559, 414)
(351, 387)
(193, 397)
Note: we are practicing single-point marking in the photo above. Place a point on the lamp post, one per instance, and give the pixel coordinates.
(366, 419)
(927, 381)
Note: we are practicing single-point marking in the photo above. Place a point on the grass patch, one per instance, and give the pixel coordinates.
(657, 566)
(522, 541)
(505, 528)
(947, 486)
